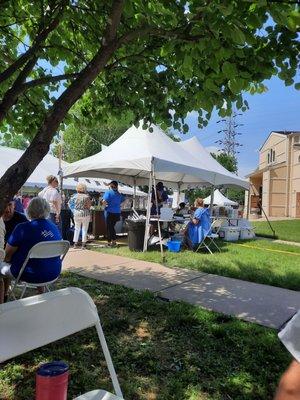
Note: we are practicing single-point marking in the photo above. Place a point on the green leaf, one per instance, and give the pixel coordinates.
(238, 36)
(236, 85)
(297, 86)
(229, 70)
(185, 128)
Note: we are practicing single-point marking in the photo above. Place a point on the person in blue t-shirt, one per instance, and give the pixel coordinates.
(23, 238)
(112, 201)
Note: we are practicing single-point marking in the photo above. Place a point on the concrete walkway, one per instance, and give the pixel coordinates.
(265, 305)
(287, 242)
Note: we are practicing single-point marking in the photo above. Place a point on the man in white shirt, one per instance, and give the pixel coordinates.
(53, 197)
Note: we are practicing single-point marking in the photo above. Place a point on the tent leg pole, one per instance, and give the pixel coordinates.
(134, 194)
(148, 215)
(212, 193)
(248, 204)
(158, 222)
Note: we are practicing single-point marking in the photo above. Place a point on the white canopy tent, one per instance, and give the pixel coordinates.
(220, 200)
(222, 175)
(50, 166)
(136, 154)
(142, 157)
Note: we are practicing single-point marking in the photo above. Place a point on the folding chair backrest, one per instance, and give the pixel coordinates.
(216, 225)
(54, 248)
(39, 320)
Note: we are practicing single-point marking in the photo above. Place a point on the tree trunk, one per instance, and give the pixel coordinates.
(15, 177)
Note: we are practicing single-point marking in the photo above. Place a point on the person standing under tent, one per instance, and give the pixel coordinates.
(162, 197)
(80, 204)
(53, 197)
(112, 201)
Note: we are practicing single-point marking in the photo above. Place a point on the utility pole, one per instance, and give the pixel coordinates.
(229, 142)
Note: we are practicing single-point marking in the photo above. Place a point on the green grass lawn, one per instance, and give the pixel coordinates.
(261, 261)
(161, 351)
(284, 230)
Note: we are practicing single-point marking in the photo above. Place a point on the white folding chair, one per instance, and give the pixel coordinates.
(209, 240)
(55, 248)
(33, 322)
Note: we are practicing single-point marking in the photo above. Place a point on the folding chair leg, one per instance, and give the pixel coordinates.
(23, 291)
(47, 288)
(11, 294)
(215, 244)
(205, 245)
(108, 360)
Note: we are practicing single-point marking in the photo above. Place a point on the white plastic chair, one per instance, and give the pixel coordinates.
(33, 322)
(209, 240)
(55, 248)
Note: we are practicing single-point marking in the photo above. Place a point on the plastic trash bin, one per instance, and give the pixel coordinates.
(136, 234)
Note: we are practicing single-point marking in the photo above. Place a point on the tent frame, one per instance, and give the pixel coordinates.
(152, 182)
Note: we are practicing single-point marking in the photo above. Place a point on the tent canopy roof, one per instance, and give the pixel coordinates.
(223, 176)
(133, 156)
(220, 200)
(50, 166)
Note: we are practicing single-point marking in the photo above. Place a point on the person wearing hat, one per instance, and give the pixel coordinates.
(112, 201)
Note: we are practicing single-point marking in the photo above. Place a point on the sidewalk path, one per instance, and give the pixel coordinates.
(265, 305)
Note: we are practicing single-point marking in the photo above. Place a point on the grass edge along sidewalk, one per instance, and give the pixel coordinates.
(161, 351)
(259, 261)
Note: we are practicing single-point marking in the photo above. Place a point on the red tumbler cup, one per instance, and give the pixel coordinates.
(52, 381)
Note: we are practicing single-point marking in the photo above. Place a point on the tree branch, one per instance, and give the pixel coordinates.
(48, 79)
(18, 173)
(41, 37)
(114, 20)
(11, 96)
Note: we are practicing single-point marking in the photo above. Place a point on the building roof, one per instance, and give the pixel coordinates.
(285, 133)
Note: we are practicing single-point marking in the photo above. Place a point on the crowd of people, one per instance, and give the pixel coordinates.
(25, 223)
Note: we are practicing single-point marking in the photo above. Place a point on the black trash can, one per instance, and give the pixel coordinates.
(65, 216)
(136, 234)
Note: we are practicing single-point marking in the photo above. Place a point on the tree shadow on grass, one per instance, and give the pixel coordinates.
(161, 351)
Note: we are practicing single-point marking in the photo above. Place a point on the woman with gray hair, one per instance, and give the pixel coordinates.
(25, 235)
(80, 204)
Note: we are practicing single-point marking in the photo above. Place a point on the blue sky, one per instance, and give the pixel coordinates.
(277, 109)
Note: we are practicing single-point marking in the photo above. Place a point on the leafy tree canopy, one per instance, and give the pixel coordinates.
(159, 59)
(83, 137)
(174, 55)
(227, 161)
(15, 141)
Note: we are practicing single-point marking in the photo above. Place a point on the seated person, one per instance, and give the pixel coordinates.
(11, 219)
(182, 209)
(199, 227)
(23, 238)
